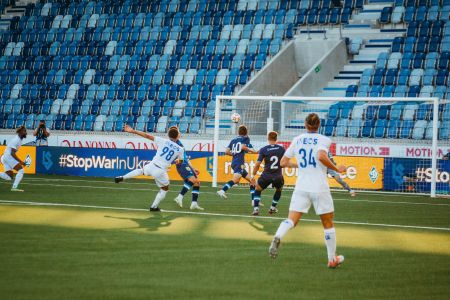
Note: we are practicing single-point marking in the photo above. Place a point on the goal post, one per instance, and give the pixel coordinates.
(392, 144)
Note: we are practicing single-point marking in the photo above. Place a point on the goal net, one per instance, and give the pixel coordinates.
(388, 144)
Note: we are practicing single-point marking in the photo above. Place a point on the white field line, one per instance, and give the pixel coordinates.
(286, 195)
(32, 203)
(146, 182)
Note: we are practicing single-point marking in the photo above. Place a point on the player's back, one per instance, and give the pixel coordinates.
(168, 151)
(312, 176)
(236, 146)
(13, 143)
(271, 154)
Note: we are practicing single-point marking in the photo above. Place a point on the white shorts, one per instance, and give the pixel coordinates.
(160, 175)
(322, 202)
(8, 162)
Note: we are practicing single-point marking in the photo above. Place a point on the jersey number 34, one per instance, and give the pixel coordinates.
(306, 158)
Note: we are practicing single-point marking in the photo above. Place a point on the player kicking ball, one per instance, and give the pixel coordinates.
(272, 175)
(168, 152)
(310, 150)
(237, 148)
(338, 178)
(189, 175)
(10, 160)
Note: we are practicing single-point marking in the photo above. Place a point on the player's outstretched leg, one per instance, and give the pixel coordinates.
(344, 184)
(276, 198)
(195, 194)
(159, 197)
(330, 240)
(132, 174)
(186, 187)
(256, 201)
(222, 192)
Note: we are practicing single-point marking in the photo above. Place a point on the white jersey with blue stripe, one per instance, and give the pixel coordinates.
(167, 153)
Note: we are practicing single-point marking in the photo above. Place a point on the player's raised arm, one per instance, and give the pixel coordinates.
(128, 129)
(249, 150)
(286, 160)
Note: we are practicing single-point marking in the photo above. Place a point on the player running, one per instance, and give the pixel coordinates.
(338, 178)
(189, 175)
(272, 174)
(168, 152)
(237, 149)
(310, 150)
(10, 160)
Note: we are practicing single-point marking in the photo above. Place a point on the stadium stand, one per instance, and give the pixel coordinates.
(150, 64)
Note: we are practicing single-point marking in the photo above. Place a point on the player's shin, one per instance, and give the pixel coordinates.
(18, 178)
(284, 227)
(195, 193)
(343, 183)
(252, 192)
(186, 187)
(228, 185)
(256, 198)
(330, 242)
(159, 197)
(134, 173)
(276, 198)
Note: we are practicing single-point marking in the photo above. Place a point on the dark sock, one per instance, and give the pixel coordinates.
(228, 185)
(195, 193)
(256, 198)
(252, 192)
(276, 198)
(186, 187)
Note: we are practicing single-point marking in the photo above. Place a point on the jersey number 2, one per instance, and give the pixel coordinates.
(168, 154)
(305, 162)
(274, 165)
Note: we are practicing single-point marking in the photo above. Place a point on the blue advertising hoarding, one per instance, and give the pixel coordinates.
(94, 162)
(412, 174)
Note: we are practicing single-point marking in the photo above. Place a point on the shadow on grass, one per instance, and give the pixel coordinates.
(153, 223)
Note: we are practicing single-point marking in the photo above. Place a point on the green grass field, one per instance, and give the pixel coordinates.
(84, 238)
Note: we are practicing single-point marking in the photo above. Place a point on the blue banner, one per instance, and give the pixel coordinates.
(414, 175)
(95, 162)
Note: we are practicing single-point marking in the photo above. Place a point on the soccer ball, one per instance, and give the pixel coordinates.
(235, 118)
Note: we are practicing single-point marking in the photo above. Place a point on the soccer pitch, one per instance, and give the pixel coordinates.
(75, 238)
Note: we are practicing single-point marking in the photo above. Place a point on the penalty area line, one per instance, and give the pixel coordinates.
(49, 204)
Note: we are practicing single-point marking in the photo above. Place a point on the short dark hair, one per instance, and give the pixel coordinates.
(242, 130)
(173, 132)
(272, 136)
(312, 122)
(21, 128)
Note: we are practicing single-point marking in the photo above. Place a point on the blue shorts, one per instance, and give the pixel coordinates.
(185, 171)
(239, 169)
(266, 179)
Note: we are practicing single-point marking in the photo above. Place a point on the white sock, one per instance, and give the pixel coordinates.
(284, 228)
(5, 176)
(18, 178)
(134, 173)
(159, 197)
(330, 242)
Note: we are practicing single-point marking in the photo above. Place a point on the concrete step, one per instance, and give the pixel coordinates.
(357, 67)
(342, 83)
(331, 94)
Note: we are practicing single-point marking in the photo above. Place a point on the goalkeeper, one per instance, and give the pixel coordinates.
(338, 178)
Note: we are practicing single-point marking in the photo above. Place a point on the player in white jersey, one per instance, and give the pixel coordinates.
(10, 160)
(311, 153)
(168, 152)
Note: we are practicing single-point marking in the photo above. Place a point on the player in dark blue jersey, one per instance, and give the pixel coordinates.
(272, 175)
(237, 148)
(189, 175)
